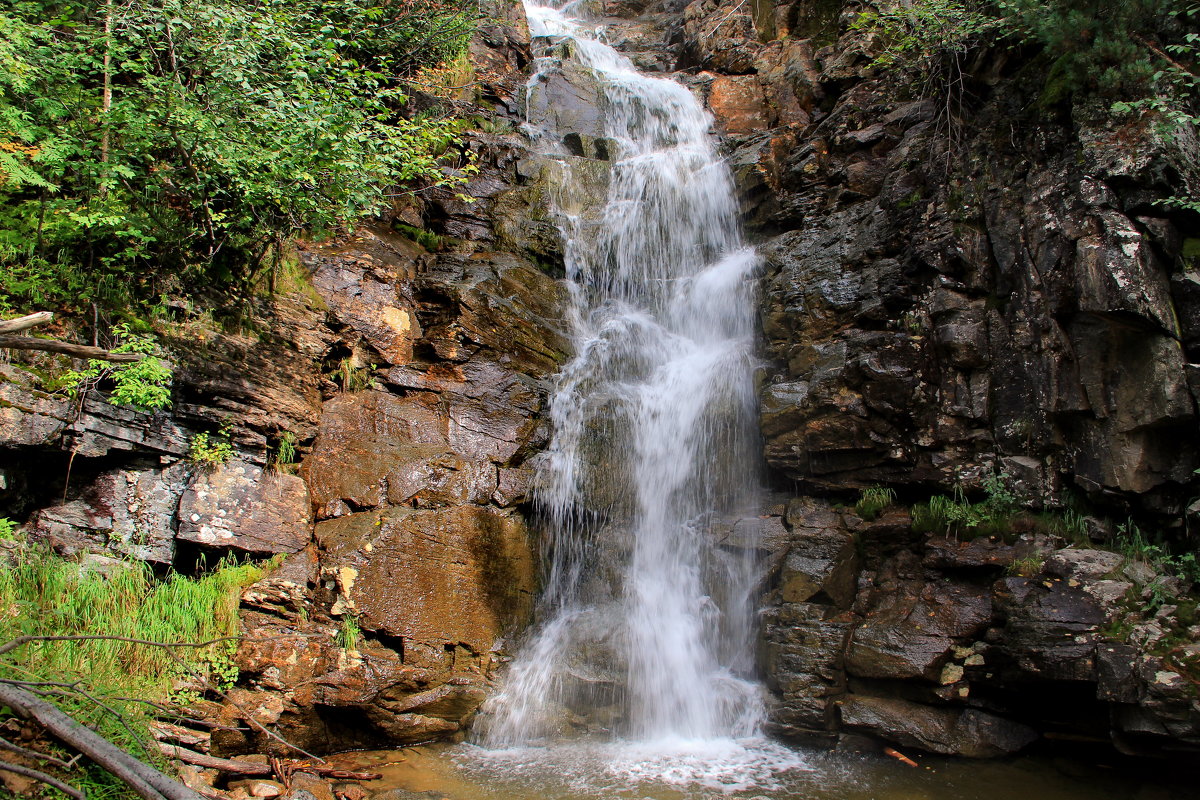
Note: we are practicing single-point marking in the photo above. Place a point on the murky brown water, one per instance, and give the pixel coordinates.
(762, 772)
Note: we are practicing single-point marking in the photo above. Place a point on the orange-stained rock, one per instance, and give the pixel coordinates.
(248, 508)
(460, 575)
(739, 105)
(364, 436)
(372, 307)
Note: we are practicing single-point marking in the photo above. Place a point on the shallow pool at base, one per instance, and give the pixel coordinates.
(753, 769)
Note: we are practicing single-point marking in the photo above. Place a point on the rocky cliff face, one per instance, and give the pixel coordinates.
(975, 647)
(945, 297)
(411, 381)
(953, 292)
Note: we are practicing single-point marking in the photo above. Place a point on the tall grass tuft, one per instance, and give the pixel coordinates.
(44, 595)
(873, 500)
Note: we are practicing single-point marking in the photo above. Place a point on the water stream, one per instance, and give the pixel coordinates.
(646, 629)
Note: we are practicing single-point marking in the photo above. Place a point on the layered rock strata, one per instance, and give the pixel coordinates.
(975, 647)
(410, 380)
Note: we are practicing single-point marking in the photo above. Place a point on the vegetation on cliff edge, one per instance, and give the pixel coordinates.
(160, 146)
(1139, 58)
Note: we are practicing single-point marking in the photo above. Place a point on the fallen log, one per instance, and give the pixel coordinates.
(254, 769)
(145, 781)
(26, 322)
(66, 348)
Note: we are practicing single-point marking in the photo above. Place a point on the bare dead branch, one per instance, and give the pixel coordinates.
(177, 715)
(25, 751)
(146, 781)
(256, 769)
(169, 647)
(66, 348)
(1158, 51)
(42, 777)
(13, 644)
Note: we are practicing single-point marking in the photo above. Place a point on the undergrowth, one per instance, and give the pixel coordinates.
(958, 516)
(209, 452)
(1135, 545)
(873, 500)
(349, 633)
(111, 686)
(351, 378)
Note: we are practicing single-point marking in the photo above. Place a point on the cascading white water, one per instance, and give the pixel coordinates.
(646, 627)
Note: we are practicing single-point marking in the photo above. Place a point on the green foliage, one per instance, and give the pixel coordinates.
(44, 595)
(922, 35)
(285, 452)
(1135, 545)
(958, 516)
(144, 384)
(1001, 499)
(1101, 46)
(351, 378)
(1075, 525)
(186, 144)
(924, 45)
(427, 239)
(1142, 56)
(349, 634)
(210, 451)
(1185, 566)
(872, 500)
(1069, 524)
(8, 530)
(1027, 567)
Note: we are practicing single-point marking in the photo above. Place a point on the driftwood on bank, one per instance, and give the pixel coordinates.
(255, 769)
(143, 779)
(11, 326)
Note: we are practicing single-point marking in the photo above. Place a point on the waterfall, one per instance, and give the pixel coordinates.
(646, 625)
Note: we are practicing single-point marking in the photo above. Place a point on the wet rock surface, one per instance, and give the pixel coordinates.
(948, 649)
(936, 308)
(410, 380)
(966, 732)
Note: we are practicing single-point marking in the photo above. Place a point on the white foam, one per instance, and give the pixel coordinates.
(727, 766)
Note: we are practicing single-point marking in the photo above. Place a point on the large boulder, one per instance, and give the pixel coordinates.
(912, 624)
(133, 513)
(247, 508)
(953, 731)
(803, 646)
